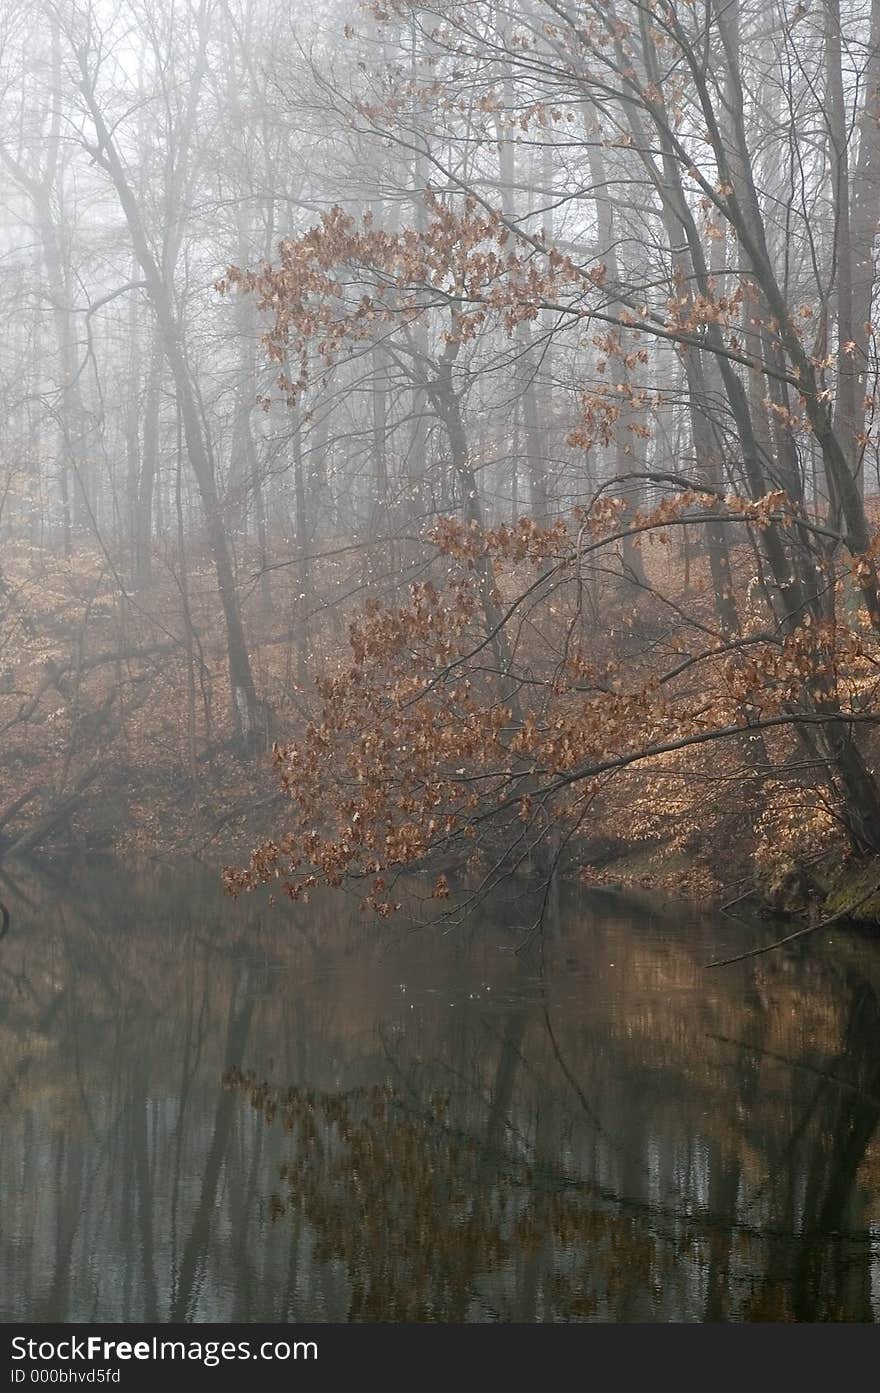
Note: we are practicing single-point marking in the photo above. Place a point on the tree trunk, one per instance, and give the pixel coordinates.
(245, 710)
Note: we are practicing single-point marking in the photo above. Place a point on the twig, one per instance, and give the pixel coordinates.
(800, 933)
(728, 905)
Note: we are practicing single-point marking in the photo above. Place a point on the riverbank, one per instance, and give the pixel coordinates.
(143, 816)
(834, 883)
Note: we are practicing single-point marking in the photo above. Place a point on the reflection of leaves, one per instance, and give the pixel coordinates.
(421, 1215)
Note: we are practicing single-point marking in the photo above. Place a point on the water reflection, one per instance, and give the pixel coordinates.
(217, 1112)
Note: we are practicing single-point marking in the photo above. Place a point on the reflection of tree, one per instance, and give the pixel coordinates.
(832, 1279)
(118, 1025)
(817, 1263)
(195, 1250)
(429, 1221)
(460, 1204)
(611, 1138)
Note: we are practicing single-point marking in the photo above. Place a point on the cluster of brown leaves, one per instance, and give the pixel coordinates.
(345, 279)
(423, 749)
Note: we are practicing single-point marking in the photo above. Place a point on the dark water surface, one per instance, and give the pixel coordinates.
(231, 1112)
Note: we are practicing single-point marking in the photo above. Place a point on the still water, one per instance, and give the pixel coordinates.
(220, 1112)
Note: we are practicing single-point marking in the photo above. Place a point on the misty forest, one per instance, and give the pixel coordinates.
(440, 660)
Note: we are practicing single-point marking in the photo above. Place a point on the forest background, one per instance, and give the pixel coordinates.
(466, 409)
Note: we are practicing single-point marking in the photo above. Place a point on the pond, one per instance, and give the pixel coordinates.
(243, 1112)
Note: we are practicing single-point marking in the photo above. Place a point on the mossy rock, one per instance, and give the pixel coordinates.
(852, 889)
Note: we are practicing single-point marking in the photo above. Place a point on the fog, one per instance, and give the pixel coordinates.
(562, 311)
